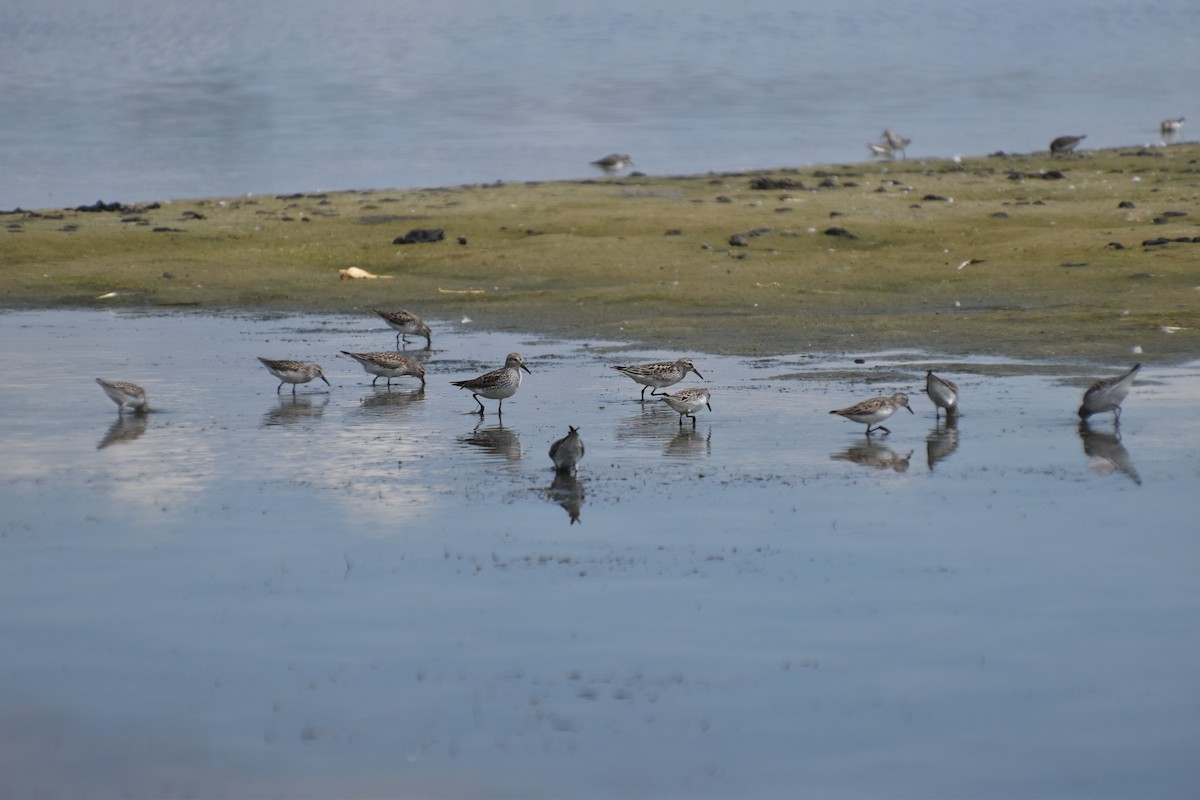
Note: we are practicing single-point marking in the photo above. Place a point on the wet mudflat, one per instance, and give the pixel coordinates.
(359, 591)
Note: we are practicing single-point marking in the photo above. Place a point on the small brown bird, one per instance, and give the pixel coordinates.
(567, 451)
(614, 162)
(125, 395)
(406, 324)
(877, 409)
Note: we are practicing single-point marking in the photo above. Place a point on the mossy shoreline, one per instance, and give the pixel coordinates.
(1020, 256)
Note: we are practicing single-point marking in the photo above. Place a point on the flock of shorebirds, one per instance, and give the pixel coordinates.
(1103, 396)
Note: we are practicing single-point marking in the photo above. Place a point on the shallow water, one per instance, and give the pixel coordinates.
(366, 592)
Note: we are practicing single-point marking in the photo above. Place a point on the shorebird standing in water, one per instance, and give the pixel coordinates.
(1107, 394)
(125, 395)
(1065, 144)
(497, 384)
(943, 393)
(877, 409)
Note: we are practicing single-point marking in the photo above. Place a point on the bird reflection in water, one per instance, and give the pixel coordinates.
(874, 454)
(567, 491)
(689, 442)
(126, 428)
(495, 440)
(1106, 454)
(942, 441)
(386, 398)
(295, 410)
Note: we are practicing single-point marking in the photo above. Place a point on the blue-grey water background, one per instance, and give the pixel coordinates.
(142, 100)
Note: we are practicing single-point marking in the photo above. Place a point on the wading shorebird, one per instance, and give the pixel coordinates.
(293, 372)
(125, 395)
(660, 374)
(388, 365)
(943, 393)
(1107, 394)
(567, 451)
(406, 324)
(497, 384)
(877, 409)
(688, 401)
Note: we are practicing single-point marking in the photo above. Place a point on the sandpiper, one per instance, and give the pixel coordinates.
(125, 395)
(687, 401)
(1065, 144)
(497, 384)
(1107, 394)
(877, 409)
(1171, 127)
(614, 162)
(388, 365)
(406, 324)
(881, 149)
(293, 372)
(660, 374)
(943, 393)
(896, 141)
(567, 451)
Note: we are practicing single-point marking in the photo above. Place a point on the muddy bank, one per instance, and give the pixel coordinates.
(1089, 256)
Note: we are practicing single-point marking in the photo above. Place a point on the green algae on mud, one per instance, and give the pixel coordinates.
(1024, 256)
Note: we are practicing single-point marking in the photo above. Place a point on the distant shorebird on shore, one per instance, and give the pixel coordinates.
(896, 141)
(1065, 144)
(881, 149)
(613, 162)
(1171, 128)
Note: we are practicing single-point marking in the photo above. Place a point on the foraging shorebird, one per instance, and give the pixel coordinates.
(877, 409)
(943, 393)
(125, 395)
(1065, 144)
(1107, 394)
(567, 451)
(293, 372)
(613, 162)
(388, 365)
(406, 324)
(687, 402)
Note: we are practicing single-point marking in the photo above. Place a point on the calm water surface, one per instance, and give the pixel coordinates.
(158, 99)
(358, 592)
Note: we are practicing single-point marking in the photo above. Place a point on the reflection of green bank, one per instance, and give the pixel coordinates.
(1008, 255)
